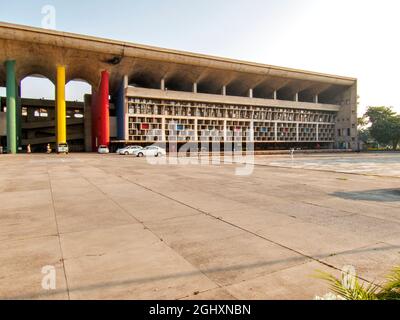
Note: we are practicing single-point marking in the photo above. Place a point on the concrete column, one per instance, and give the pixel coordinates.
(11, 107)
(163, 130)
(296, 97)
(275, 95)
(297, 132)
(225, 131)
(223, 91)
(195, 87)
(61, 109)
(251, 131)
(19, 117)
(316, 98)
(121, 109)
(250, 93)
(276, 131)
(94, 120)
(88, 122)
(196, 131)
(104, 110)
(317, 132)
(162, 85)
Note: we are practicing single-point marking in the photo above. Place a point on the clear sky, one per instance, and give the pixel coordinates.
(358, 38)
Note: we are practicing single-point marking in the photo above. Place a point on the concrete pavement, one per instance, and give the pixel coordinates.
(116, 227)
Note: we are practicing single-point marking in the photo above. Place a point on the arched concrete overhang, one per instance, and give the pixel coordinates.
(48, 87)
(85, 57)
(182, 78)
(211, 81)
(330, 94)
(40, 58)
(78, 80)
(242, 83)
(75, 81)
(89, 74)
(36, 74)
(145, 78)
(264, 90)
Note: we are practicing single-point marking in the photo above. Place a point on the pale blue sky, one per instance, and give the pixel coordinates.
(356, 38)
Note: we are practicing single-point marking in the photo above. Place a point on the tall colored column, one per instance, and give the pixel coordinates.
(104, 110)
(11, 107)
(61, 127)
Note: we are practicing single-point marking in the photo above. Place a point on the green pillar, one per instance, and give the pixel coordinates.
(11, 107)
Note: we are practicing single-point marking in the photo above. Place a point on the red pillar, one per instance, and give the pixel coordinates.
(103, 110)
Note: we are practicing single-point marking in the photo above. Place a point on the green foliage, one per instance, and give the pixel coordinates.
(379, 113)
(364, 135)
(385, 126)
(362, 122)
(358, 291)
(391, 289)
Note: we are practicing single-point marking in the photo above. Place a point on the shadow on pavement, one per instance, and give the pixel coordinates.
(381, 195)
(299, 259)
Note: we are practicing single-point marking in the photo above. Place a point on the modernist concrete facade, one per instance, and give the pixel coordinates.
(168, 95)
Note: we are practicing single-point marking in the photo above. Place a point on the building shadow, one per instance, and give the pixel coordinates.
(380, 195)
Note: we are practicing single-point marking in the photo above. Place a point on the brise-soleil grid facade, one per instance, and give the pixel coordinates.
(182, 121)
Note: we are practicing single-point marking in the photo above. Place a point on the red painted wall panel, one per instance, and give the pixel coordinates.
(104, 110)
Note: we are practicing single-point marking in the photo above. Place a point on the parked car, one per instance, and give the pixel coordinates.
(103, 150)
(129, 150)
(62, 148)
(151, 151)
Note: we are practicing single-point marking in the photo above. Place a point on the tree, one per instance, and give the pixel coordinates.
(364, 135)
(385, 125)
(362, 122)
(379, 113)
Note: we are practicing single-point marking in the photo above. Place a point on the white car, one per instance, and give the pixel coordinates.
(103, 150)
(128, 150)
(62, 148)
(151, 151)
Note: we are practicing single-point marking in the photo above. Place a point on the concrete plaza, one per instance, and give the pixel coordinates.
(117, 227)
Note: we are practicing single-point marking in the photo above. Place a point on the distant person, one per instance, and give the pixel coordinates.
(28, 149)
(291, 151)
(48, 148)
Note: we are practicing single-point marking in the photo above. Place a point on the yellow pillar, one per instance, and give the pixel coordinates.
(61, 127)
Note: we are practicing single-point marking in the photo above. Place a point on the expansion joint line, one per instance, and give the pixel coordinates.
(145, 226)
(242, 229)
(58, 234)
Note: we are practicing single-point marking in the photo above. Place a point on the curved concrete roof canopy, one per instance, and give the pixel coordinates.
(39, 51)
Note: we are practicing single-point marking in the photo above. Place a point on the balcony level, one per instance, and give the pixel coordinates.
(228, 100)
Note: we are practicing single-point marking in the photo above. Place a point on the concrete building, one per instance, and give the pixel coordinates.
(167, 95)
(37, 126)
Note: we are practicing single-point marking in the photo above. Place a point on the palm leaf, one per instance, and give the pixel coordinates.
(391, 289)
(356, 292)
